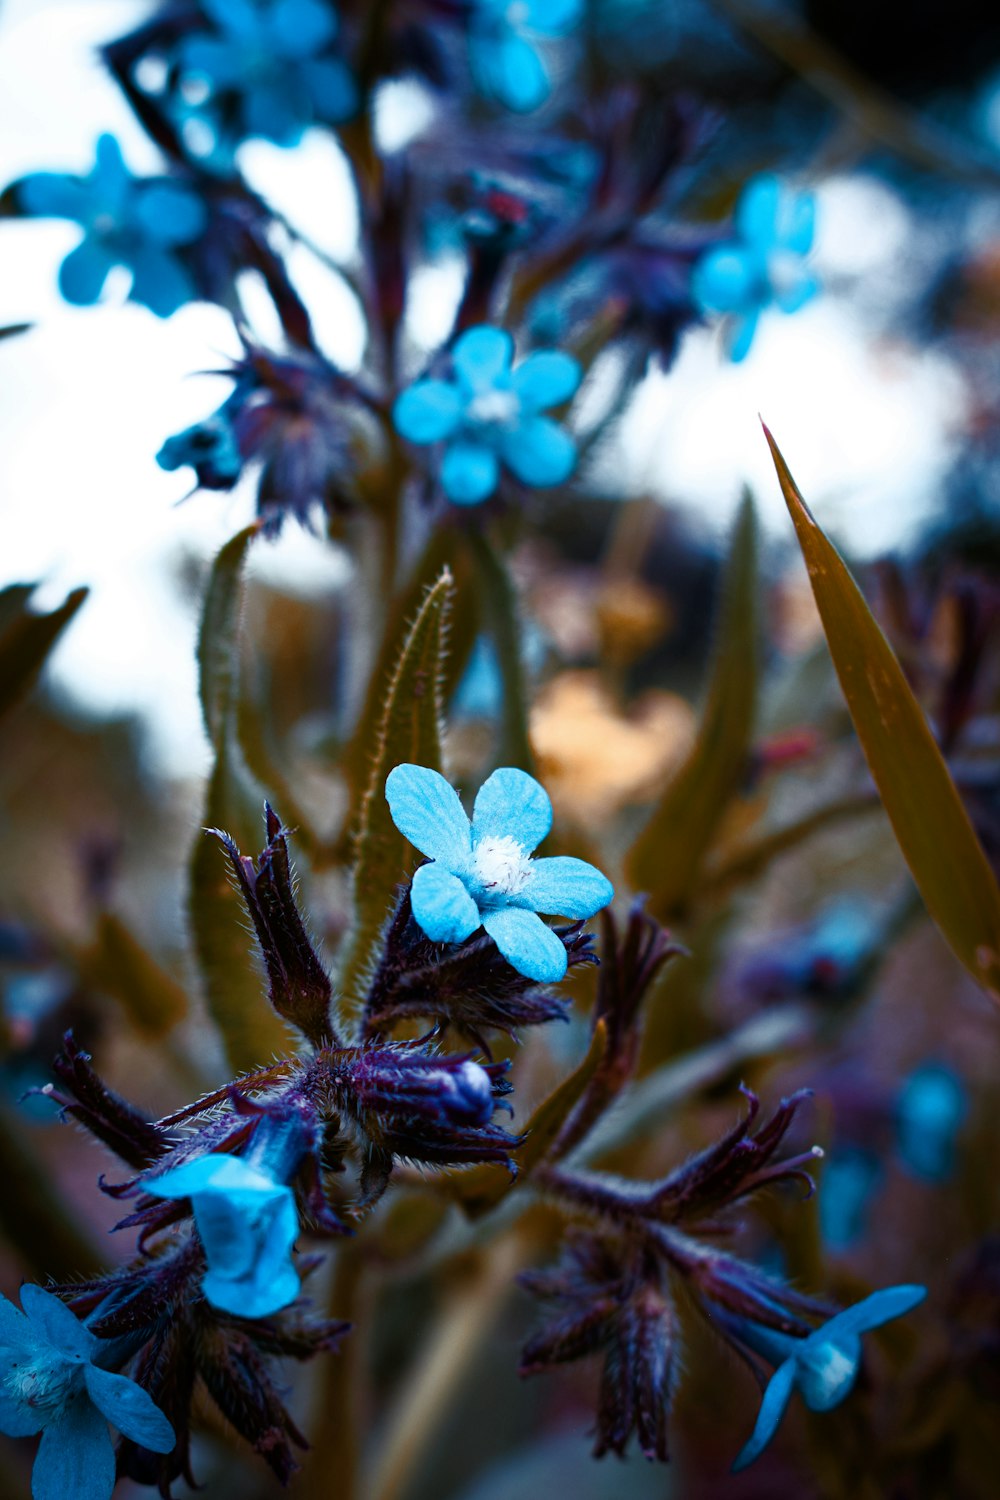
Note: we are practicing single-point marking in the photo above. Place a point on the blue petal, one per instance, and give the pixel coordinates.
(724, 279)
(508, 68)
(546, 378)
(260, 1296)
(54, 195)
(881, 1307)
(482, 357)
(241, 18)
(552, 17)
(428, 411)
(426, 810)
(212, 58)
(332, 89)
(15, 1330)
(300, 28)
(111, 180)
(53, 1319)
(469, 472)
(526, 943)
(159, 281)
(772, 1409)
(84, 271)
(539, 452)
(510, 803)
(275, 111)
(129, 1408)
(76, 1459)
(566, 887)
(442, 906)
(741, 335)
(792, 294)
(17, 1418)
(169, 214)
(756, 214)
(797, 222)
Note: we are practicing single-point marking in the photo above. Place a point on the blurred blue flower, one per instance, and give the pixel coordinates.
(127, 221)
(210, 447)
(488, 414)
(248, 1225)
(764, 265)
(850, 1179)
(505, 61)
(50, 1383)
(824, 1366)
(272, 59)
(931, 1108)
(482, 875)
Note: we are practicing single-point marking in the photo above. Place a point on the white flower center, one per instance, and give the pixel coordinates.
(502, 865)
(826, 1373)
(41, 1383)
(784, 271)
(493, 408)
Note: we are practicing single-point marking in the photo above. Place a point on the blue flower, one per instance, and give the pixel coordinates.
(50, 1383)
(764, 264)
(248, 1225)
(482, 875)
(273, 57)
(210, 447)
(931, 1108)
(505, 62)
(488, 413)
(823, 1366)
(127, 221)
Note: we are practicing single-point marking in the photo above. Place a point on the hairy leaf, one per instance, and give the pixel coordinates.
(27, 638)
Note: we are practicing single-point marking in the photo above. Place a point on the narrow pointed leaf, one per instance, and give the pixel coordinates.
(27, 639)
(410, 731)
(935, 835)
(667, 856)
(117, 963)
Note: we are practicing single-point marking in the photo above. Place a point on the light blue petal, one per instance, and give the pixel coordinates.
(772, 1409)
(482, 357)
(881, 1307)
(428, 411)
(84, 271)
(724, 279)
(129, 1408)
(15, 1330)
(526, 943)
(219, 62)
(241, 18)
(111, 179)
(791, 294)
(442, 906)
(259, 1297)
(170, 214)
(539, 452)
(741, 335)
(510, 803)
(275, 111)
(566, 887)
(426, 810)
(332, 89)
(507, 67)
(54, 195)
(552, 17)
(797, 222)
(756, 214)
(300, 28)
(159, 281)
(18, 1419)
(53, 1319)
(76, 1459)
(469, 472)
(546, 378)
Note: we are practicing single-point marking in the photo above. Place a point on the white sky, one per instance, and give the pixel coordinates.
(88, 396)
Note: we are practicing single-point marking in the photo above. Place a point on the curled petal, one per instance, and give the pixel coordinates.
(442, 906)
(526, 943)
(539, 452)
(510, 802)
(426, 810)
(428, 411)
(482, 357)
(566, 887)
(772, 1409)
(546, 378)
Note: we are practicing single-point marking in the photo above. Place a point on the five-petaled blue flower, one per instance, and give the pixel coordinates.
(273, 58)
(127, 221)
(823, 1366)
(482, 875)
(489, 413)
(764, 264)
(51, 1382)
(505, 62)
(248, 1224)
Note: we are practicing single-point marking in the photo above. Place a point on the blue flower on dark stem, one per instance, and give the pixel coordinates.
(930, 1111)
(505, 61)
(488, 414)
(822, 1367)
(50, 1383)
(482, 875)
(274, 57)
(127, 221)
(248, 1224)
(764, 265)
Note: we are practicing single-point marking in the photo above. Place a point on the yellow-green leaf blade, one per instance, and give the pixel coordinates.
(930, 822)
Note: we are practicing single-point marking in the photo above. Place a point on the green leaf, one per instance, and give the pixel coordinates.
(481, 1188)
(410, 730)
(667, 856)
(233, 985)
(117, 963)
(27, 638)
(935, 835)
